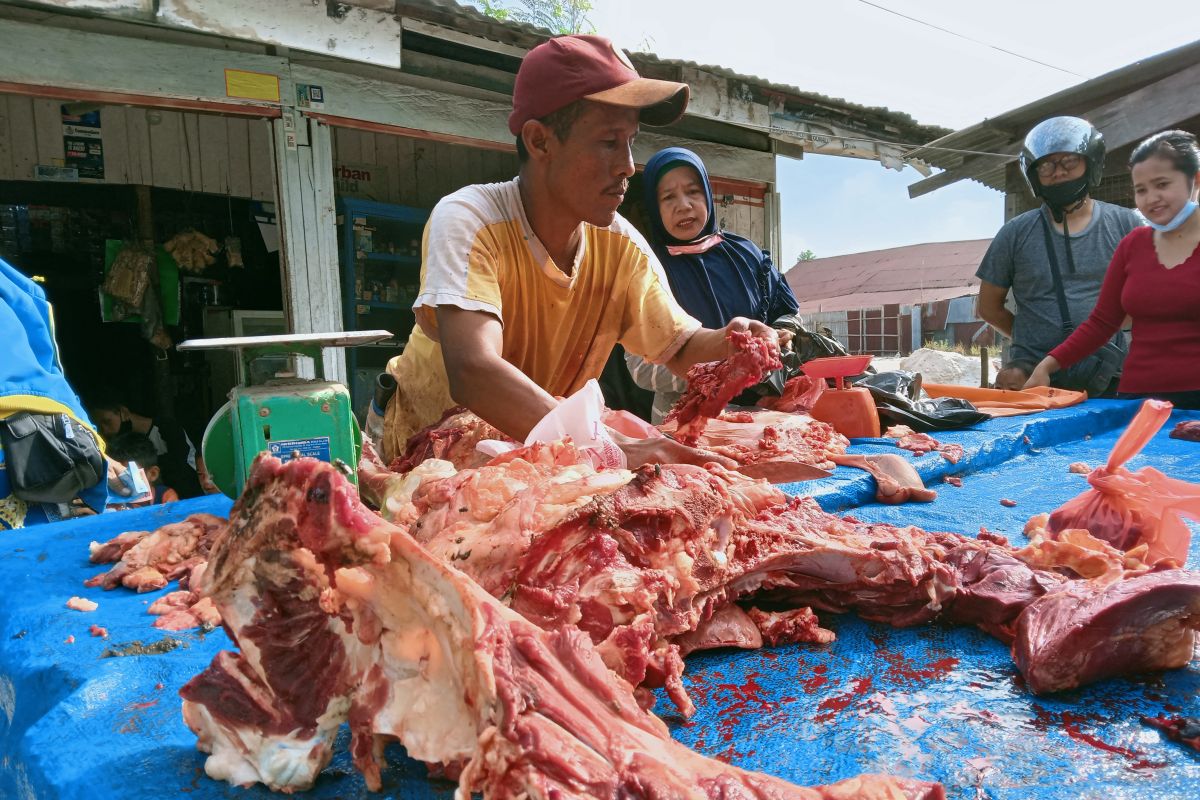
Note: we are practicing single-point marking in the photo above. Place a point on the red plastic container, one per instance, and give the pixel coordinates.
(850, 411)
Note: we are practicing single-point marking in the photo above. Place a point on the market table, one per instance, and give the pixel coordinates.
(933, 702)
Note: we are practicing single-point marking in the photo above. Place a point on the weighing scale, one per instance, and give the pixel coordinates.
(851, 411)
(285, 416)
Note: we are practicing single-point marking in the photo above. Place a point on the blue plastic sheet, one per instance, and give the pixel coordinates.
(934, 702)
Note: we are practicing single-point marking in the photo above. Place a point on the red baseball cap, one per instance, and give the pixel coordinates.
(564, 69)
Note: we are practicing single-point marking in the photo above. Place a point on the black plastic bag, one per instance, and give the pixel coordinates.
(898, 399)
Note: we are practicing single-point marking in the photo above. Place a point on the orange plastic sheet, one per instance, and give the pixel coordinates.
(1008, 403)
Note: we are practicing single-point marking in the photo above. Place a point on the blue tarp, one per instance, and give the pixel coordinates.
(933, 702)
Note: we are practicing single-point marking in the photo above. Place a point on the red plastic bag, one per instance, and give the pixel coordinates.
(1127, 509)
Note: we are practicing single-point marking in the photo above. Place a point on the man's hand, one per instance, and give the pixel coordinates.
(707, 344)
(116, 485)
(785, 338)
(1042, 372)
(757, 329)
(662, 450)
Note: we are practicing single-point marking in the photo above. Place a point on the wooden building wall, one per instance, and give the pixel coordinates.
(153, 147)
(414, 172)
(419, 172)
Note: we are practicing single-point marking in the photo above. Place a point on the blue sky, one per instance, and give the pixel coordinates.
(835, 205)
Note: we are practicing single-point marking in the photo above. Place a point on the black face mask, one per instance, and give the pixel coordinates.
(126, 427)
(1061, 196)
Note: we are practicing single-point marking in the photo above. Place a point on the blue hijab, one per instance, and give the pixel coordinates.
(733, 279)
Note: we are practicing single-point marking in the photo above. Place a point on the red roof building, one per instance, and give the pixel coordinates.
(868, 299)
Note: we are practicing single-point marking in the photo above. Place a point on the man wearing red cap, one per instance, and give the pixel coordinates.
(527, 285)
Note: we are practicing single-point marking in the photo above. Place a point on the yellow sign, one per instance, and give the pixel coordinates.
(252, 85)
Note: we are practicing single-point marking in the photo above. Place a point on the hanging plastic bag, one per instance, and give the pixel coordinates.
(1127, 509)
(129, 276)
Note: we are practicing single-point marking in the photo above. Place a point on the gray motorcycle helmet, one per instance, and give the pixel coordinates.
(1063, 135)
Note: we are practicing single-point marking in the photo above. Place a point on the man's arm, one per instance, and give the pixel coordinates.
(712, 345)
(480, 378)
(505, 397)
(990, 307)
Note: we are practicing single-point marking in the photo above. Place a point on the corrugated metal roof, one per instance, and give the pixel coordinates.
(471, 20)
(1004, 133)
(919, 273)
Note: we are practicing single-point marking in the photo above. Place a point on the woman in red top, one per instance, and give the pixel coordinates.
(1154, 278)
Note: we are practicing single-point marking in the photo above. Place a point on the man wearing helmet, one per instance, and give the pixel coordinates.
(1070, 234)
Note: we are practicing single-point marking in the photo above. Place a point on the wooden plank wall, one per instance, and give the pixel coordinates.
(419, 172)
(745, 216)
(153, 147)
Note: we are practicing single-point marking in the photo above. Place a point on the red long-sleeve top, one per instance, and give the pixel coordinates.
(1165, 306)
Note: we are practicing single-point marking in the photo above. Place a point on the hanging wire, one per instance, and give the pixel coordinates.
(969, 39)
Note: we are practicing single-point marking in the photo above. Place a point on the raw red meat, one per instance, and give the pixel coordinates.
(795, 625)
(186, 608)
(755, 436)
(1091, 630)
(1127, 508)
(452, 438)
(895, 479)
(800, 393)
(922, 443)
(148, 560)
(1189, 430)
(649, 562)
(341, 616)
(710, 386)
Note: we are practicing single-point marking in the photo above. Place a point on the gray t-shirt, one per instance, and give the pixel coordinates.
(1017, 259)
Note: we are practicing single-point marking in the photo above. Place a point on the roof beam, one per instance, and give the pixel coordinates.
(1123, 121)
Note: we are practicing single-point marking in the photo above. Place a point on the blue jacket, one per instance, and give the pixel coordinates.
(32, 379)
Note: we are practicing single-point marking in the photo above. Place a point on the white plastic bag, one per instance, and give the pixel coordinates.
(581, 416)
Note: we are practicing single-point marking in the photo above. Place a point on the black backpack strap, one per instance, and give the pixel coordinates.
(1059, 292)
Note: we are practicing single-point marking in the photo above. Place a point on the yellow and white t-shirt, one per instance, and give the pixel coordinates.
(480, 254)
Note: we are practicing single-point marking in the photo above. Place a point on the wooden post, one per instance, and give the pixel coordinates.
(164, 389)
(308, 233)
(984, 368)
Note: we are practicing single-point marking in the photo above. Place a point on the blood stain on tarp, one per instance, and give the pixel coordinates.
(832, 706)
(819, 678)
(1071, 724)
(904, 670)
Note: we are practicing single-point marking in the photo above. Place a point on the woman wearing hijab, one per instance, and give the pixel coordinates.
(715, 275)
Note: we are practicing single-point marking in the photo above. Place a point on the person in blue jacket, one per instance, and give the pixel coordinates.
(715, 275)
(32, 379)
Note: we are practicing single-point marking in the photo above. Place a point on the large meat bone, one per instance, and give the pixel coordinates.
(340, 615)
